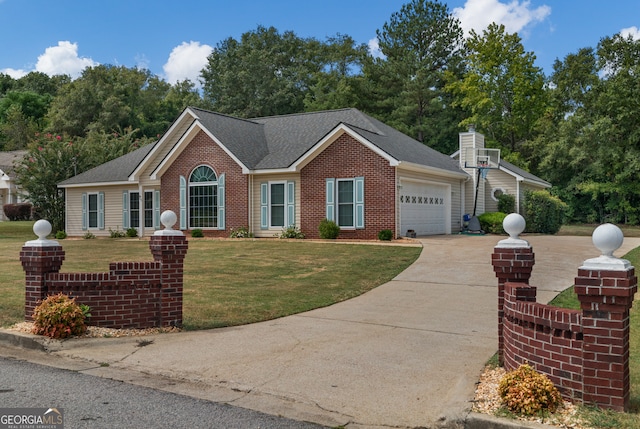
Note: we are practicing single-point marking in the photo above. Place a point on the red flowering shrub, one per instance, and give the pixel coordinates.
(59, 316)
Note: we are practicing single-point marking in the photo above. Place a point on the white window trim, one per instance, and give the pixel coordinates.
(493, 193)
(284, 204)
(191, 184)
(97, 211)
(353, 204)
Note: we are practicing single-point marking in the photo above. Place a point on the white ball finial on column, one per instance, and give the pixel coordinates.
(168, 218)
(42, 228)
(514, 224)
(607, 238)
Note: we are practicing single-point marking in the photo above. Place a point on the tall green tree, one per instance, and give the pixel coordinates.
(593, 154)
(502, 87)
(419, 44)
(264, 73)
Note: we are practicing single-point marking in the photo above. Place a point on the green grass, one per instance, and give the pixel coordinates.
(609, 419)
(587, 230)
(227, 282)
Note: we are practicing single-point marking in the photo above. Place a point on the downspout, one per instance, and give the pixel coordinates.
(518, 196)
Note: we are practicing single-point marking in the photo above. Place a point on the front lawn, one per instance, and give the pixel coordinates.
(227, 282)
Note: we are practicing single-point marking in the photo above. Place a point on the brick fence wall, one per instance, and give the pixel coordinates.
(584, 352)
(130, 295)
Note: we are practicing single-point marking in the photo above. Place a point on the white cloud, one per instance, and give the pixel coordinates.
(16, 74)
(515, 15)
(374, 48)
(63, 59)
(634, 32)
(186, 61)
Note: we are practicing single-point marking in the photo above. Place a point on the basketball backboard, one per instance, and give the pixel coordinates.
(482, 158)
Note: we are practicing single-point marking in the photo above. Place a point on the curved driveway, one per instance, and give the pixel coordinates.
(406, 354)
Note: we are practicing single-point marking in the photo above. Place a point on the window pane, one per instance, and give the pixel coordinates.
(203, 206)
(134, 209)
(345, 203)
(277, 193)
(277, 215)
(203, 174)
(148, 209)
(93, 211)
(345, 191)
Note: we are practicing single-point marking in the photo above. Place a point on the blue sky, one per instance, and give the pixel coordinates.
(173, 38)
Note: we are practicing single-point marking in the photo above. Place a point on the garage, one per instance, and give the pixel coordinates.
(424, 208)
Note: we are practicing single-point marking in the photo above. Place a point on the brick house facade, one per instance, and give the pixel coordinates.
(219, 172)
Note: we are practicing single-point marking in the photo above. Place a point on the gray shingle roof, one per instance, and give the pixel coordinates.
(277, 142)
(116, 170)
(523, 173)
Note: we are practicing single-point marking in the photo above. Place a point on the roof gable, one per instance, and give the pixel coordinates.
(268, 144)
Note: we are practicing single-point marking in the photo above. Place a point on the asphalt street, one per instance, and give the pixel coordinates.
(92, 402)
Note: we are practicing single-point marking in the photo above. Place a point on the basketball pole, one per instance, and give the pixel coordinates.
(475, 200)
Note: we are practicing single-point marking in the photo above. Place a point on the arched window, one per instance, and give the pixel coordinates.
(203, 198)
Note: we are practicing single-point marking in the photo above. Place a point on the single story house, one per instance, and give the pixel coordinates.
(9, 191)
(218, 172)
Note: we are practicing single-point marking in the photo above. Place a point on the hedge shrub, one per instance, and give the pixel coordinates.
(59, 316)
(543, 212)
(525, 391)
(506, 203)
(20, 211)
(328, 229)
(491, 222)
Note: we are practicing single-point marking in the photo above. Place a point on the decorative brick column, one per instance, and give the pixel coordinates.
(512, 261)
(605, 287)
(39, 258)
(169, 247)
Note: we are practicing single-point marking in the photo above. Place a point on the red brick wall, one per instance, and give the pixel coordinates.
(204, 151)
(586, 352)
(348, 158)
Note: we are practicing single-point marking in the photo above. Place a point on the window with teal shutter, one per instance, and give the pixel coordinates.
(264, 205)
(85, 220)
(221, 201)
(156, 209)
(359, 202)
(330, 199)
(101, 210)
(291, 203)
(183, 203)
(125, 210)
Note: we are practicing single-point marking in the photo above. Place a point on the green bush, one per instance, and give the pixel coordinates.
(59, 316)
(525, 391)
(543, 212)
(61, 235)
(116, 233)
(88, 235)
(385, 235)
(197, 233)
(132, 232)
(328, 229)
(240, 232)
(506, 203)
(491, 222)
(291, 232)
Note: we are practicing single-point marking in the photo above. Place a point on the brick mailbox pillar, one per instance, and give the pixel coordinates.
(605, 287)
(39, 258)
(169, 247)
(512, 261)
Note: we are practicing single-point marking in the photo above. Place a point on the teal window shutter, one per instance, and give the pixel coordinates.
(359, 202)
(291, 203)
(125, 210)
(264, 205)
(221, 202)
(101, 210)
(331, 199)
(183, 203)
(85, 217)
(156, 209)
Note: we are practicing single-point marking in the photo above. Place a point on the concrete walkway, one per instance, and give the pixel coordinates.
(406, 354)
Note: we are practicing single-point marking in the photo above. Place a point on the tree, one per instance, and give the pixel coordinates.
(502, 87)
(264, 73)
(419, 43)
(49, 160)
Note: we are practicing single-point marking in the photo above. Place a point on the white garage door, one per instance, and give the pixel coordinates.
(423, 208)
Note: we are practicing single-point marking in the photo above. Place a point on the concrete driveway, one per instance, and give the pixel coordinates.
(406, 354)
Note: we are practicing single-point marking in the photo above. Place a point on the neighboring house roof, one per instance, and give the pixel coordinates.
(7, 159)
(279, 142)
(116, 170)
